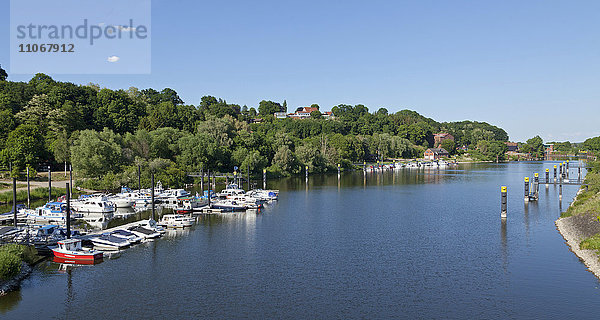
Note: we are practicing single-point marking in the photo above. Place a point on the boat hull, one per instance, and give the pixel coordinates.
(78, 256)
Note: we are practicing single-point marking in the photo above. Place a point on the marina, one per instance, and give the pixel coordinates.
(327, 234)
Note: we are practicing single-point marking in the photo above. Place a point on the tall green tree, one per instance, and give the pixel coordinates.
(3, 74)
(95, 154)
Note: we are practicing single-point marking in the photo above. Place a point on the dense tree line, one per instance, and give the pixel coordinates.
(108, 133)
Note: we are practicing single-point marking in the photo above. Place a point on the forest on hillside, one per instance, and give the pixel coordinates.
(106, 134)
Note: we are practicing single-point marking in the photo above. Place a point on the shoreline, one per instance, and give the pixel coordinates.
(573, 230)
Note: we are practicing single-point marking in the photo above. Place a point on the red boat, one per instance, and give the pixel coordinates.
(71, 250)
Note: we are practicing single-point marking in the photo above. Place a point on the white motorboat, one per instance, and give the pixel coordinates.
(265, 195)
(96, 203)
(228, 205)
(128, 235)
(107, 241)
(152, 225)
(144, 232)
(51, 212)
(175, 221)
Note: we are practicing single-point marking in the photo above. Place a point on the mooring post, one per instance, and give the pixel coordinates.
(306, 172)
(578, 173)
(152, 193)
(248, 177)
(536, 184)
(526, 189)
(338, 170)
(547, 176)
(226, 179)
(560, 191)
(264, 178)
(202, 182)
(208, 197)
(503, 202)
(567, 169)
(139, 174)
(68, 213)
(71, 179)
(14, 187)
(214, 181)
(49, 184)
(364, 166)
(28, 190)
(554, 173)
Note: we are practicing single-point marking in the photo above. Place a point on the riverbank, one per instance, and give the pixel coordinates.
(581, 223)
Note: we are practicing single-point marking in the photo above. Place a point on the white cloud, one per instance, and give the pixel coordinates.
(113, 59)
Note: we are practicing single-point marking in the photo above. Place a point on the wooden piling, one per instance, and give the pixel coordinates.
(526, 198)
(14, 189)
(560, 191)
(503, 205)
(71, 179)
(28, 190)
(49, 184)
(68, 197)
(152, 193)
(208, 189)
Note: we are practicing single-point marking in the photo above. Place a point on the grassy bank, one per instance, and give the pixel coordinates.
(36, 194)
(11, 257)
(587, 201)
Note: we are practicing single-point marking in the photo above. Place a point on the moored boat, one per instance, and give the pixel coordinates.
(71, 250)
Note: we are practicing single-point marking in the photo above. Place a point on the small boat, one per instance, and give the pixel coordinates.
(51, 212)
(128, 235)
(152, 225)
(93, 204)
(228, 205)
(144, 232)
(71, 250)
(175, 221)
(108, 241)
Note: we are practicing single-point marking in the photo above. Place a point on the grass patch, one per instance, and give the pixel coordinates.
(11, 256)
(37, 193)
(591, 243)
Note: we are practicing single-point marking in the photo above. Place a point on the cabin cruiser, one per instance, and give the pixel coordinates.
(265, 195)
(228, 205)
(413, 165)
(189, 204)
(175, 221)
(152, 225)
(51, 212)
(94, 203)
(121, 202)
(107, 241)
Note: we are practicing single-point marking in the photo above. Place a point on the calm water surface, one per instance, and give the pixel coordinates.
(411, 244)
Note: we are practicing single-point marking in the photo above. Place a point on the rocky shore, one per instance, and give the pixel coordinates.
(575, 229)
(14, 283)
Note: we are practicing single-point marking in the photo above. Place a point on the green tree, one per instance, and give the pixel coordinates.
(96, 153)
(592, 144)
(269, 107)
(3, 74)
(285, 160)
(316, 114)
(24, 145)
(449, 146)
(535, 146)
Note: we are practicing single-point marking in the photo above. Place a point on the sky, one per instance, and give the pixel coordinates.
(529, 67)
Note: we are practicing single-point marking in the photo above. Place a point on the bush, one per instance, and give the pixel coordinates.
(10, 265)
(25, 253)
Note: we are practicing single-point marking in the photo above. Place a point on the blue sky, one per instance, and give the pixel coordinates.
(530, 67)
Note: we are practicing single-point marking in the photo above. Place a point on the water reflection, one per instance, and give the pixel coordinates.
(10, 301)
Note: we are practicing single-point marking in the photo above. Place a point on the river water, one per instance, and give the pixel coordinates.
(409, 244)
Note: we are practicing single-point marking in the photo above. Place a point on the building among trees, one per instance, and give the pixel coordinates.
(436, 154)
